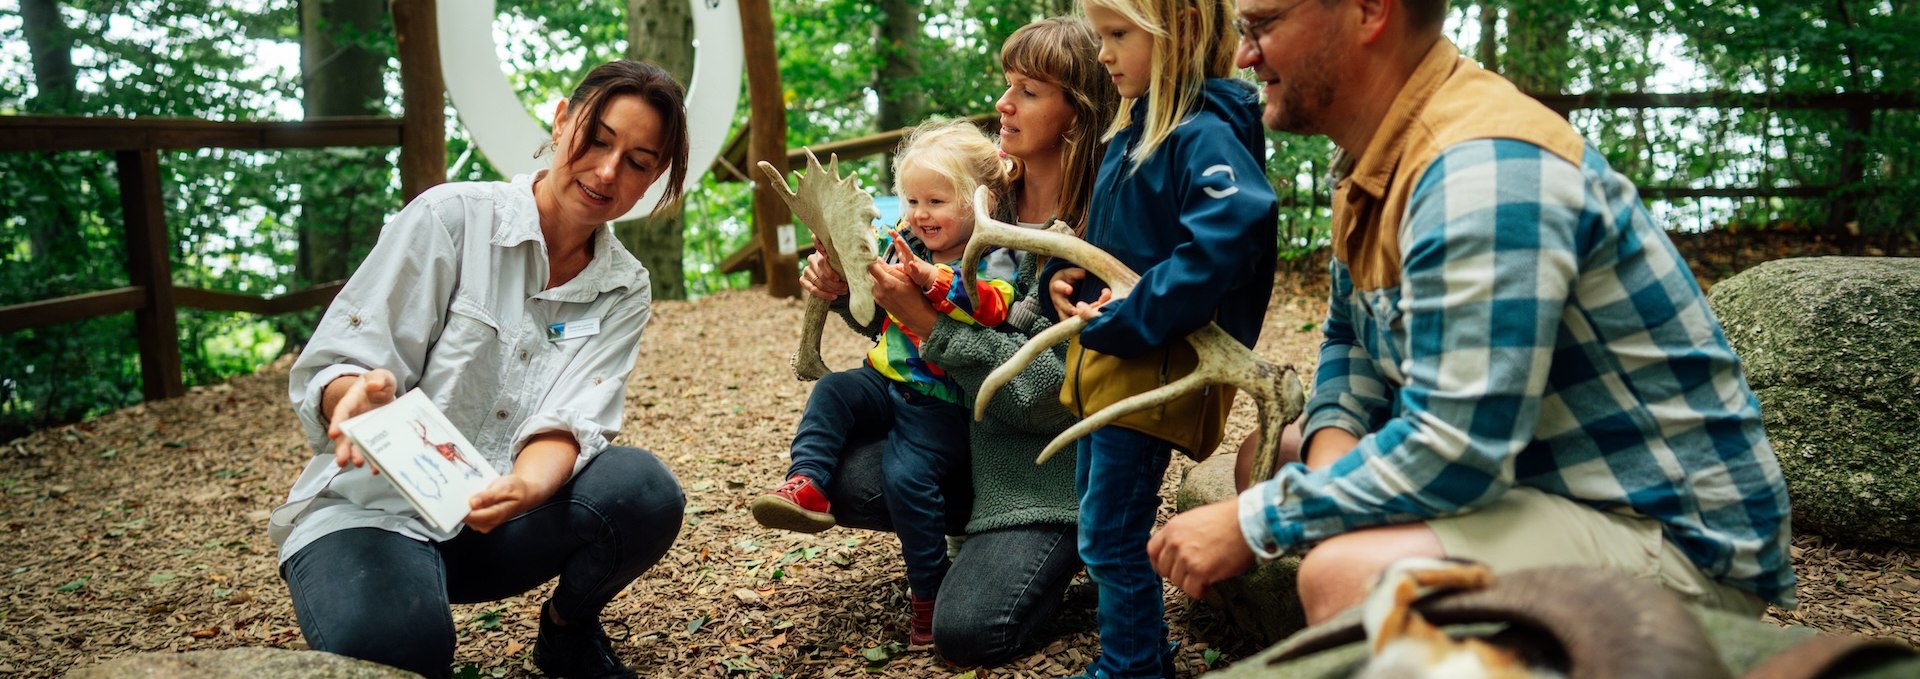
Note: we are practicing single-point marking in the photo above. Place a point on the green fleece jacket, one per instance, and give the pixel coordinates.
(1008, 488)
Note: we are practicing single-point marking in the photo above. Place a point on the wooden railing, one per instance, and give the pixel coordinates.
(152, 297)
(1859, 107)
(1843, 206)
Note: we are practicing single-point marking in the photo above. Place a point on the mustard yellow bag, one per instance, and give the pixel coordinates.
(1194, 423)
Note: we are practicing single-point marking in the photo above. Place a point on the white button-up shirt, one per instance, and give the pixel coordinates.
(453, 300)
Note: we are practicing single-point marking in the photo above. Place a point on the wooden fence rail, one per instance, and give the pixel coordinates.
(153, 298)
(1859, 105)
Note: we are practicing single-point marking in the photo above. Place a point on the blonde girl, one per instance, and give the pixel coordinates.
(897, 393)
(1181, 197)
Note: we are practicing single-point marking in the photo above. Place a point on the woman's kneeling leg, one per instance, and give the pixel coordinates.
(374, 595)
(598, 534)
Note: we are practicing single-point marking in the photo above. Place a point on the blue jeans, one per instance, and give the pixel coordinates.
(926, 443)
(377, 595)
(1118, 478)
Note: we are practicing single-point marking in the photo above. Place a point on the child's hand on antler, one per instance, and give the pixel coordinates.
(917, 269)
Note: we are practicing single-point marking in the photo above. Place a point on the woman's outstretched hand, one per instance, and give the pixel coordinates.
(365, 392)
(504, 498)
(543, 466)
(820, 280)
(893, 290)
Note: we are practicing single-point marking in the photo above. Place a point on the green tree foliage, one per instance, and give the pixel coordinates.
(1759, 46)
(229, 213)
(236, 217)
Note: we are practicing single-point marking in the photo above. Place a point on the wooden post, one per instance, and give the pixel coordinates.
(772, 222)
(423, 131)
(148, 268)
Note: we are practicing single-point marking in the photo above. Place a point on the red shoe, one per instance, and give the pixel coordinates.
(920, 634)
(796, 505)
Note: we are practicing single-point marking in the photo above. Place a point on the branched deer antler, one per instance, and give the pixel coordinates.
(1223, 360)
(841, 215)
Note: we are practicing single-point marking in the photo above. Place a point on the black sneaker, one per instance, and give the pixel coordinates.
(577, 651)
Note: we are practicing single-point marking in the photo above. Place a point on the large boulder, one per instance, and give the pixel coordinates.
(1832, 347)
(1265, 603)
(241, 663)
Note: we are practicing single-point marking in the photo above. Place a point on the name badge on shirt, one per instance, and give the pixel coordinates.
(585, 327)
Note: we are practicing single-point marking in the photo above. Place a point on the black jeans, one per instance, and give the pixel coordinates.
(1003, 586)
(376, 595)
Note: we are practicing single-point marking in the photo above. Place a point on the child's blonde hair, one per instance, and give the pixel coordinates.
(1192, 40)
(957, 150)
(1064, 52)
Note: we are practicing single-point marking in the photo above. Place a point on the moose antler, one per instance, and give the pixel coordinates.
(1223, 360)
(841, 216)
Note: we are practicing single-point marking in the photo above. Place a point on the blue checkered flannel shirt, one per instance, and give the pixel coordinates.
(1543, 333)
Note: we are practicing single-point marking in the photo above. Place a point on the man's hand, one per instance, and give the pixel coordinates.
(820, 280)
(1201, 546)
(917, 270)
(363, 393)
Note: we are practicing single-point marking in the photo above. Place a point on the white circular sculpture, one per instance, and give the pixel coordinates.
(508, 133)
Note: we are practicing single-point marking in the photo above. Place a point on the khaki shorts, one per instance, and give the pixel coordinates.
(1527, 528)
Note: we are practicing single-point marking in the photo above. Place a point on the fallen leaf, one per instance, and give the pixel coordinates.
(777, 641)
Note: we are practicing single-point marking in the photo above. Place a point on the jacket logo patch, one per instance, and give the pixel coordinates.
(1220, 193)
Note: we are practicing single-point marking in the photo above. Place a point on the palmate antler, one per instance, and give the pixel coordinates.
(841, 216)
(1223, 360)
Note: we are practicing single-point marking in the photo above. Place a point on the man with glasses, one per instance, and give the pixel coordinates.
(1518, 367)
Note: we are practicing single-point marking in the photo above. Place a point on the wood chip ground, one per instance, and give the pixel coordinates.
(144, 530)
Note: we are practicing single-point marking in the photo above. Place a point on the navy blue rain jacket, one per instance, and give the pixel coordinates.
(1198, 220)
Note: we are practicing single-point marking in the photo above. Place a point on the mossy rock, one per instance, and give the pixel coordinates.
(242, 663)
(1264, 604)
(1831, 345)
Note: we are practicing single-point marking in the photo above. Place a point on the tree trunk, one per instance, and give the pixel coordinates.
(1489, 47)
(1537, 51)
(661, 31)
(341, 201)
(898, 82)
(50, 43)
(53, 234)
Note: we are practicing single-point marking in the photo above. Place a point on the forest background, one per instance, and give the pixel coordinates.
(268, 222)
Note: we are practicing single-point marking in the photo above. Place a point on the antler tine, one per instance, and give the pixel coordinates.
(988, 232)
(1121, 408)
(1020, 360)
(1275, 389)
(1222, 360)
(773, 175)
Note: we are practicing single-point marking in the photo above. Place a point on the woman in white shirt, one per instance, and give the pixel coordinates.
(513, 307)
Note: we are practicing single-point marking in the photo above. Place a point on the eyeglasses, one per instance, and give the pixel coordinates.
(1252, 29)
